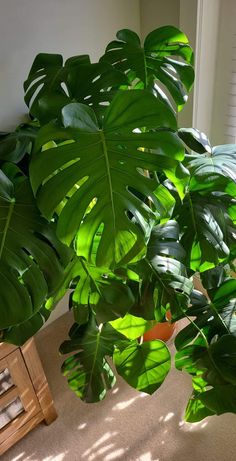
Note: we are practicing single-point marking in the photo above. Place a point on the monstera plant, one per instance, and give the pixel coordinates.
(102, 194)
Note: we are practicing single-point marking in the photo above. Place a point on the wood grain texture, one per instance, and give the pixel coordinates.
(30, 385)
(21, 432)
(6, 349)
(39, 380)
(24, 390)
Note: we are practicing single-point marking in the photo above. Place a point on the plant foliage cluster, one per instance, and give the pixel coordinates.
(102, 193)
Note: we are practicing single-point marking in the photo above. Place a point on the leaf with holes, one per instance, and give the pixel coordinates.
(51, 85)
(104, 168)
(214, 172)
(208, 233)
(88, 372)
(213, 317)
(156, 64)
(95, 85)
(97, 288)
(164, 256)
(32, 259)
(44, 91)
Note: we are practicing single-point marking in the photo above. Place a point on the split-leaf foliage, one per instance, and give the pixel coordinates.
(102, 194)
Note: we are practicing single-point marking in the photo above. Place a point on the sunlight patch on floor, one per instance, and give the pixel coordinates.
(59, 457)
(19, 457)
(116, 454)
(115, 390)
(147, 457)
(168, 416)
(101, 451)
(125, 404)
(82, 426)
(89, 453)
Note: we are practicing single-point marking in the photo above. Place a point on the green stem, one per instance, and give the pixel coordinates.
(10, 211)
(192, 212)
(109, 182)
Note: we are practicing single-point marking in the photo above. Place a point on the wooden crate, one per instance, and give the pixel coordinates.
(25, 398)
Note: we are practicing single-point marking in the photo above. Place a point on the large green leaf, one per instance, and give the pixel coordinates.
(164, 254)
(88, 371)
(157, 62)
(206, 349)
(32, 259)
(206, 401)
(221, 399)
(214, 378)
(144, 366)
(212, 317)
(98, 177)
(223, 352)
(100, 290)
(208, 233)
(163, 283)
(19, 334)
(213, 171)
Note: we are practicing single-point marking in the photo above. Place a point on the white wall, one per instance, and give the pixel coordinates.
(69, 27)
(157, 13)
(188, 24)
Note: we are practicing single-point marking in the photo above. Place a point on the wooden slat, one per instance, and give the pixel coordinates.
(20, 377)
(3, 365)
(39, 380)
(30, 385)
(7, 397)
(19, 433)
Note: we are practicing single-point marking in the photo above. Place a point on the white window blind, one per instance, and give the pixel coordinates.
(230, 125)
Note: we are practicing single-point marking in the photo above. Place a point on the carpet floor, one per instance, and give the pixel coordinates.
(126, 426)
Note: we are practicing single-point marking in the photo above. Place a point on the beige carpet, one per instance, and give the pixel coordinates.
(126, 426)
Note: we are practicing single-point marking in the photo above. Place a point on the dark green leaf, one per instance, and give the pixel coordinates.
(20, 333)
(14, 146)
(44, 93)
(207, 230)
(32, 260)
(223, 353)
(164, 253)
(88, 372)
(221, 399)
(95, 85)
(195, 140)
